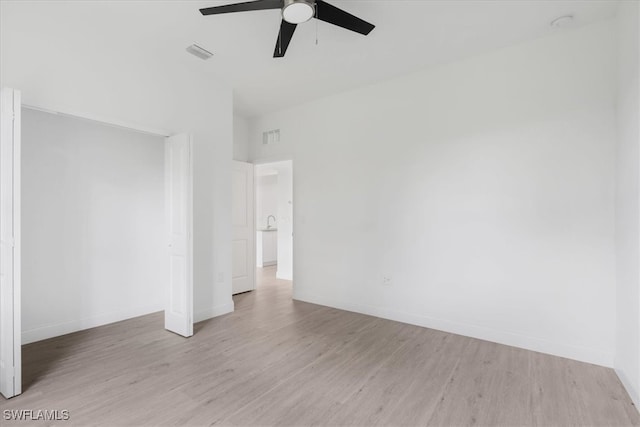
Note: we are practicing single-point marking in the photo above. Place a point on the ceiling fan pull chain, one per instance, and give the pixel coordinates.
(316, 14)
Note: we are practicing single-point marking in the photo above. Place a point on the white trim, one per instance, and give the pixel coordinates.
(272, 159)
(54, 330)
(628, 385)
(10, 288)
(109, 121)
(254, 231)
(212, 312)
(17, 240)
(283, 276)
(583, 354)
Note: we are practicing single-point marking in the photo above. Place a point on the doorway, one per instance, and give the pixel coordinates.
(274, 220)
(100, 190)
(262, 206)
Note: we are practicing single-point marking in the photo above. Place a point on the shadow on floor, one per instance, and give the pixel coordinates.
(42, 357)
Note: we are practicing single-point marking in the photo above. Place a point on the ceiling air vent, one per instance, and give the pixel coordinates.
(200, 52)
(270, 137)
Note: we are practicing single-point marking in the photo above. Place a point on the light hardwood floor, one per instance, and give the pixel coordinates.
(275, 361)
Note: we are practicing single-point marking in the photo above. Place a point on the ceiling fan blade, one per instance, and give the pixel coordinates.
(243, 7)
(331, 14)
(284, 38)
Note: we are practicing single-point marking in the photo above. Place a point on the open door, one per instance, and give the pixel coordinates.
(244, 267)
(178, 315)
(10, 308)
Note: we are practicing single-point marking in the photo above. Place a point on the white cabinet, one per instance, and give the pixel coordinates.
(267, 247)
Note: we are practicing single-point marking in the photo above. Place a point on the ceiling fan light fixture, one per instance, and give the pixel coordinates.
(298, 11)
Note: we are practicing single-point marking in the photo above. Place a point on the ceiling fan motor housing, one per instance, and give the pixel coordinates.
(298, 11)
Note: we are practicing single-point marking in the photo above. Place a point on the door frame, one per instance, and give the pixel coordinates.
(279, 159)
(11, 308)
(162, 134)
(10, 293)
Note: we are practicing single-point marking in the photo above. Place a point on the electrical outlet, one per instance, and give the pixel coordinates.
(386, 281)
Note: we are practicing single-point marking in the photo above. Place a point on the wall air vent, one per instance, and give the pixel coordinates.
(271, 137)
(200, 52)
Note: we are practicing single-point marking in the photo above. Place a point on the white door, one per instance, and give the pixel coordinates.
(243, 273)
(178, 315)
(10, 309)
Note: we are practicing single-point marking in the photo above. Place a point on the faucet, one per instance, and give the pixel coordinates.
(268, 218)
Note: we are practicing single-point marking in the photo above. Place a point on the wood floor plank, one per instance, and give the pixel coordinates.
(406, 389)
(311, 395)
(275, 361)
(564, 394)
(491, 385)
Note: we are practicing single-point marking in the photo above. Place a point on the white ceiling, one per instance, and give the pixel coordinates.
(410, 35)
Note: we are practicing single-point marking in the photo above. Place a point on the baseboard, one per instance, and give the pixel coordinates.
(55, 330)
(215, 311)
(283, 276)
(582, 354)
(629, 386)
(266, 264)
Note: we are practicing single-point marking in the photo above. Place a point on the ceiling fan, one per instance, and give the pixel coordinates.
(296, 12)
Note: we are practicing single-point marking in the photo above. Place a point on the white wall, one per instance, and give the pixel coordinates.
(240, 138)
(122, 83)
(627, 361)
(94, 247)
(483, 188)
(266, 199)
